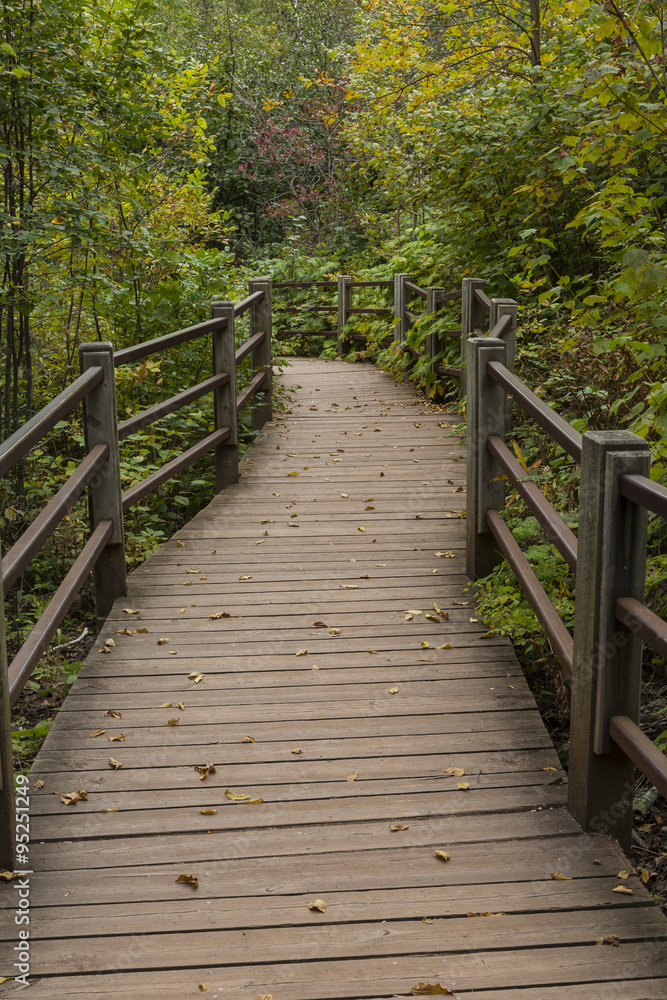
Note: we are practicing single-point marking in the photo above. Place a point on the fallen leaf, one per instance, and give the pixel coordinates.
(612, 939)
(559, 877)
(349, 586)
(120, 738)
(374, 652)
(139, 631)
(425, 644)
(131, 611)
(202, 987)
(39, 783)
(115, 764)
(443, 855)
(98, 732)
(70, 798)
(399, 826)
(166, 704)
(353, 776)
(196, 676)
(320, 625)
(645, 875)
(317, 904)
(344, 496)
(393, 690)
(111, 809)
(446, 555)
(246, 577)
(236, 796)
(485, 913)
(248, 739)
(458, 772)
(314, 667)
(624, 889)
(361, 528)
(623, 874)
(163, 642)
(112, 712)
(429, 989)
(302, 652)
(431, 618)
(204, 769)
(172, 722)
(445, 645)
(208, 812)
(462, 786)
(181, 545)
(296, 750)
(427, 920)
(190, 879)
(265, 996)
(124, 631)
(549, 768)
(334, 631)
(220, 614)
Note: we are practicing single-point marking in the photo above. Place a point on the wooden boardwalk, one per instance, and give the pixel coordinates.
(336, 719)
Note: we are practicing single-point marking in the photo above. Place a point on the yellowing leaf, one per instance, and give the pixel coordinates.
(443, 855)
(181, 545)
(172, 722)
(301, 652)
(296, 750)
(246, 577)
(165, 704)
(98, 732)
(334, 631)
(208, 812)
(138, 631)
(317, 904)
(462, 786)
(446, 555)
(624, 889)
(119, 738)
(431, 618)
(189, 879)
(429, 989)
(361, 528)
(393, 690)
(559, 877)
(248, 739)
(111, 809)
(427, 920)
(623, 874)
(425, 644)
(236, 796)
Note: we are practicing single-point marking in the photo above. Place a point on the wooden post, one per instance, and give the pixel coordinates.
(400, 322)
(472, 320)
(7, 809)
(486, 414)
(105, 500)
(344, 304)
(500, 308)
(224, 398)
(262, 357)
(606, 671)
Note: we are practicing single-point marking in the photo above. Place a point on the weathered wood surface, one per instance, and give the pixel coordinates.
(108, 918)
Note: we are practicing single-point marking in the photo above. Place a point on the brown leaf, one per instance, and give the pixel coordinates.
(399, 826)
(181, 705)
(115, 764)
(112, 712)
(458, 772)
(190, 879)
(139, 631)
(320, 625)
(443, 855)
(623, 874)
(98, 732)
(111, 809)
(163, 642)
(428, 989)
(353, 776)
(204, 769)
(124, 631)
(181, 545)
(7, 876)
(612, 939)
(317, 904)
(39, 783)
(624, 889)
(248, 739)
(196, 676)
(208, 812)
(70, 798)
(165, 704)
(172, 722)
(220, 614)
(120, 738)
(131, 611)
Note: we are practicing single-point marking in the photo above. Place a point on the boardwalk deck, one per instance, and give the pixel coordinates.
(345, 518)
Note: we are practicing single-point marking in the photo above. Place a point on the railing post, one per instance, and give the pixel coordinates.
(500, 308)
(7, 813)
(344, 304)
(400, 322)
(433, 342)
(262, 358)
(105, 499)
(486, 414)
(606, 672)
(472, 319)
(224, 397)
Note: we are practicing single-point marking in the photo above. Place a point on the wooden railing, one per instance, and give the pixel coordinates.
(99, 472)
(603, 656)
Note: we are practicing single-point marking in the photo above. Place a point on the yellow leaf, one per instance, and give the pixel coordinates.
(115, 764)
(163, 642)
(296, 750)
(98, 732)
(236, 796)
(399, 826)
(443, 855)
(559, 877)
(6, 876)
(462, 786)
(181, 545)
(140, 630)
(124, 631)
(220, 614)
(425, 644)
(623, 874)
(429, 989)
(393, 690)
(131, 611)
(624, 889)
(119, 738)
(172, 722)
(190, 879)
(645, 875)
(431, 618)
(349, 586)
(181, 705)
(248, 739)
(166, 704)
(458, 772)
(302, 652)
(361, 528)
(353, 776)
(115, 714)
(334, 631)
(427, 920)
(196, 676)
(202, 987)
(246, 577)
(445, 645)
(208, 812)
(317, 904)
(112, 809)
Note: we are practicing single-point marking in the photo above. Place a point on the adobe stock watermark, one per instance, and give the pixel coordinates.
(21, 884)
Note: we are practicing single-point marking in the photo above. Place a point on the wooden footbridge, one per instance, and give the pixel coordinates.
(309, 771)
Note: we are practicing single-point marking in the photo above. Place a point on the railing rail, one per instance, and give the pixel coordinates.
(609, 559)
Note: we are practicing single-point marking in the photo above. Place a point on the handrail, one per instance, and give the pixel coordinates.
(483, 299)
(19, 444)
(32, 539)
(560, 430)
(415, 289)
(535, 594)
(249, 346)
(245, 304)
(146, 417)
(503, 324)
(305, 284)
(249, 391)
(170, 469)
(641, 621)
(644, 491)
(562, 537)
(130, 354)
(32, 649)
(640, 749)
(449, 296)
